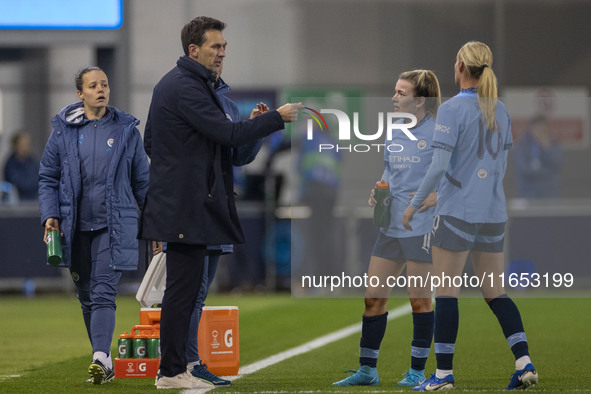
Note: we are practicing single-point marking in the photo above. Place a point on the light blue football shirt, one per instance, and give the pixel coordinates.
(472, 188)
(404, 171)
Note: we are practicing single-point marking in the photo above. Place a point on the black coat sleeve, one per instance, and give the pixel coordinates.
(199, 109)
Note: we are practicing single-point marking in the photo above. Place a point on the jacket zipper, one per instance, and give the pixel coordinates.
(93, 156)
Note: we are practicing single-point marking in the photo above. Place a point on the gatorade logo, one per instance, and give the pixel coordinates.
(387, 201)
(142, 367)
(228, 340)
(122, 349)
(140, 351)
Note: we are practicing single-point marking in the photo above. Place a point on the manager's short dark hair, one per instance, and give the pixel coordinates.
(194, 31)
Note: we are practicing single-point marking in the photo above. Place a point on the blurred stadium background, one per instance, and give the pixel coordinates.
(328, 47)
(278, 49)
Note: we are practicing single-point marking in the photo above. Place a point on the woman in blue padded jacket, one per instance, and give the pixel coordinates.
(92, 179)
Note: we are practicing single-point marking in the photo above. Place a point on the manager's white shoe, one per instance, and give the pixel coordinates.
(181, 381)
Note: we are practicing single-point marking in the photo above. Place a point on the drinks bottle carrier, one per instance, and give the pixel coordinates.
(141, 364)
(218, 337)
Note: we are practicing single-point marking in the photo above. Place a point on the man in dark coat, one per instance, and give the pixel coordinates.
(190, 199)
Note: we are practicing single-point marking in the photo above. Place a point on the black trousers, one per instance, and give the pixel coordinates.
(184, 275)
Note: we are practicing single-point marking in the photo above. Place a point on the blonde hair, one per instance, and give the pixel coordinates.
(478, 59)
(425, 84)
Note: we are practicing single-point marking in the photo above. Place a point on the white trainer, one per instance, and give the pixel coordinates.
(181, 381)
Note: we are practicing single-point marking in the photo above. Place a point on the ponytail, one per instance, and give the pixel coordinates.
(487, 97)
(478, 59)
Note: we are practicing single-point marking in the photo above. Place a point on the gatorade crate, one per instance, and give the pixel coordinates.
(138, 367)
(218, 340)
(218, 343)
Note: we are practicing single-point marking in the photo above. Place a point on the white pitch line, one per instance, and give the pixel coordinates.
(314, 344)
(4, 377)
(306, 347)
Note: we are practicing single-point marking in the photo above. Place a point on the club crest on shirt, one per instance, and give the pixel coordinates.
(422, 144)
(482, 173)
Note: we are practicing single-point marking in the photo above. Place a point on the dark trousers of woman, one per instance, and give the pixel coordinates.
(96, 286)
(184, 276)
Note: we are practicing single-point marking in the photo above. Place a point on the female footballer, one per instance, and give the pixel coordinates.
(406, 162)
(471, 140)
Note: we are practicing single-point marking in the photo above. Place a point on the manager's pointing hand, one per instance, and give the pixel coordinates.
(289, 112)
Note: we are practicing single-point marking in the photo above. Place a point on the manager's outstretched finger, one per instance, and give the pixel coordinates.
(289, 111)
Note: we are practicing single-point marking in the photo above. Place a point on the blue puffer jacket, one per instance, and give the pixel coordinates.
(127, 183)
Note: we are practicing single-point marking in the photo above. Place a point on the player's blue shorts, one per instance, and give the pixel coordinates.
(411, 248)
(457, 235)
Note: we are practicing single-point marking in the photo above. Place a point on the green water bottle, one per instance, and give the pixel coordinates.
(54, 247)
(139, 347)
(124, 345)
(154, 347)
(381, 213)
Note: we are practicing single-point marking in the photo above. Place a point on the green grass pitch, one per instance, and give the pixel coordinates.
(44, 348)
